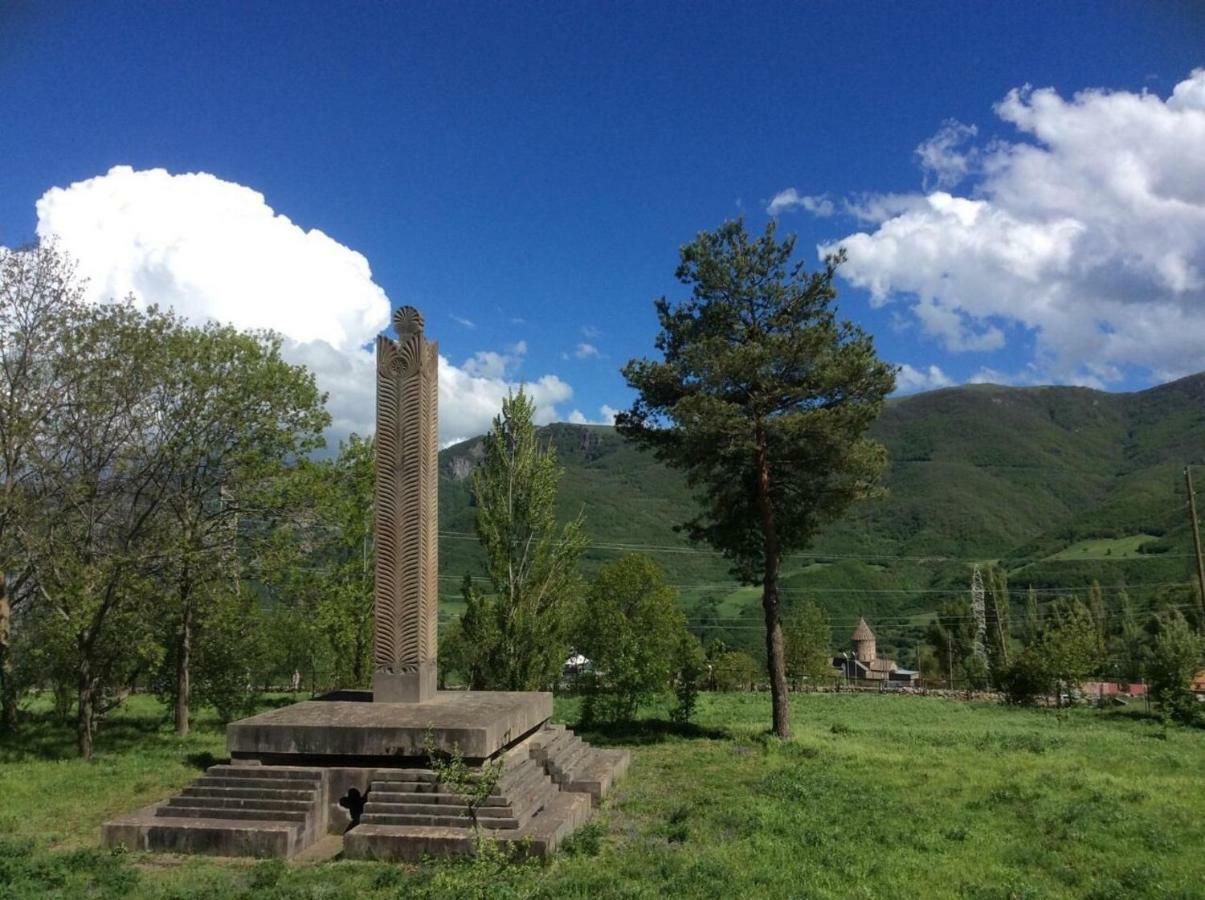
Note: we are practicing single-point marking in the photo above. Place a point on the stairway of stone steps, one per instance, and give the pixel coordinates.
(232, 811)
(575, 765)
(415, 797)
(259, 793)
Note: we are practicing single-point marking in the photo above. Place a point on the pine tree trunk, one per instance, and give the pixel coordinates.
(775, 648)
(183, 664)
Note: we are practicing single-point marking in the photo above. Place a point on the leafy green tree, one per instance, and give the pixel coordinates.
(519, 631)
(97, 536)
(629, 628)
(231, 653)
(952, 636)
(764, 399)
(690, 668)
(1100, 617)
(1127, 642)
(317, 562)
(1070, 646)
(38, 297)
(809, 643)
(236, 413)
(1033, 617)
(735, 670)
(1174, 658)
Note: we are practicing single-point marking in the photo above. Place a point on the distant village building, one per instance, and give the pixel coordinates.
(865, 663)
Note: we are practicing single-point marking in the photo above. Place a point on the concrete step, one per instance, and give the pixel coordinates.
(216, 837)
(544, 833)
(407, 843)
(554, 745)
(283, 773)
(209, 812)
(519, 775)
(530, 804)
(242, 803)
(290, 784)
(407, 775)
(601, 769)
(448, 799)
(562, 765)
(525, 797)
(462, 821)
(258, 793)
(435, 809)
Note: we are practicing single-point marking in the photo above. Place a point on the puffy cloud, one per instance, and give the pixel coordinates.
(211, 249)
(586, 351)
(789, 199)
(942, 158)
(606, 416)
(476, 400)
(909, 380)
(1087, 232)
(490, 364)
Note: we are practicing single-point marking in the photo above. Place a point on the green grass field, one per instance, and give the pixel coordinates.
(877, 796)
(1120, 548)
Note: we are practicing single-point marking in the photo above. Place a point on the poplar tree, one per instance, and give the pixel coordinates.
(516, 635)
(763, 398)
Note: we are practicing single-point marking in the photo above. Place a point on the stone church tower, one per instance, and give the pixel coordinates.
(863, 641)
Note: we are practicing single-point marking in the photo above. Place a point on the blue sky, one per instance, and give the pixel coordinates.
(525, 175)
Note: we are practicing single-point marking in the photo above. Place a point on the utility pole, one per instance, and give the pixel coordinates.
(1196, 540)
(950, 658)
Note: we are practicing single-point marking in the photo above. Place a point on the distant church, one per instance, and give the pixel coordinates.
(865, 663)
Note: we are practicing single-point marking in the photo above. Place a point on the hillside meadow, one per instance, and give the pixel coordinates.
(876, 796)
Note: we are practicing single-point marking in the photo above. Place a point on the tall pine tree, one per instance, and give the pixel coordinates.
(763, 397)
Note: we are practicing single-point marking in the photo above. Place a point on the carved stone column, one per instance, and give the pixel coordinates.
(406, 514)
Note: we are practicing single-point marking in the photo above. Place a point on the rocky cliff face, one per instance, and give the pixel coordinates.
(461, 465)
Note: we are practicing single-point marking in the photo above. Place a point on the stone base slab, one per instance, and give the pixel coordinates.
(478, 723)
(147, 830)
(411, 843)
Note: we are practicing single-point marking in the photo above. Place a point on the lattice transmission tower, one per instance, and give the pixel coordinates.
(979, 612)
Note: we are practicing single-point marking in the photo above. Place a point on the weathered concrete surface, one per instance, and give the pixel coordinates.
(541, 836)
(550, 783)
(479, 723)
(261, 811)
(576, 766)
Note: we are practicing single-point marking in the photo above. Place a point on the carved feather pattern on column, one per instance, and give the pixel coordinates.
(385, 588)
(406, 521)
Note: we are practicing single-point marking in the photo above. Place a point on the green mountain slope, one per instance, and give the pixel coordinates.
(1064, 485)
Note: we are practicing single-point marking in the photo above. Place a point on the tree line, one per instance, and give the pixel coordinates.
(1051, 649)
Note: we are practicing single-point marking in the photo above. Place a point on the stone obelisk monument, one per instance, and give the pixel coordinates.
(349, 747)
(406, 514)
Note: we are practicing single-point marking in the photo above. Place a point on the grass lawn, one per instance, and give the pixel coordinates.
(1119, 548)
(877, 796)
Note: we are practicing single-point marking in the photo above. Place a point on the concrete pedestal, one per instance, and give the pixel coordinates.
(478, 724)
(418, 686)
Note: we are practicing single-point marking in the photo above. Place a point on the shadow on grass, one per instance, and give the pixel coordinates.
(45, 736)
(204, 760)
(647, 731)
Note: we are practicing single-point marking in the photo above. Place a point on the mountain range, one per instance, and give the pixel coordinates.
(1062, 486)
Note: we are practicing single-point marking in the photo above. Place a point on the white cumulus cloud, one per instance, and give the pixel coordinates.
(1086, 232)
(587, 351)
(785, 200)
(212, 249)
(606, 416)
(909, 379)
